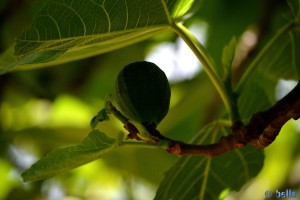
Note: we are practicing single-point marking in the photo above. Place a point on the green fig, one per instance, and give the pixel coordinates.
(143, 93)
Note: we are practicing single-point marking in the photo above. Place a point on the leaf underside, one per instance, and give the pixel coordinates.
(85, 28)
(95, 145)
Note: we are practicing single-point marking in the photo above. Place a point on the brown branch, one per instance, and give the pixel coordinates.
(261, 131)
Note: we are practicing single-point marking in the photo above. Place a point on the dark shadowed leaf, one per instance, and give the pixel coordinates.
(195, 177)
(282, 60)
(258, 95)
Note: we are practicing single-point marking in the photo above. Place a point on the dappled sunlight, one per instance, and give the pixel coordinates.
(247, 43)
(226, 63)
(294, 176)
(8, 182)
(97, 180)
(52, 189)
(70, 111)
(34, 112)
(177, 95)
(22, 155)
(283, 87)
(176, 59)
(63, 112)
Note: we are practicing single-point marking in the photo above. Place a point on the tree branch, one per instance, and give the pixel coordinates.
(261, 131)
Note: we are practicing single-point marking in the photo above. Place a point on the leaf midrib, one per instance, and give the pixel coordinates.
(115, 33)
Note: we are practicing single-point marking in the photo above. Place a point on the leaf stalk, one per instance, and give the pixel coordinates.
(209, 67)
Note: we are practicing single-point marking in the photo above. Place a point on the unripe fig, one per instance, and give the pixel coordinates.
(143, 93)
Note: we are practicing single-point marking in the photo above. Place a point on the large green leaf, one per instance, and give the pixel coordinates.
(195, 177)
(282, 59)
(95, 145)
(83, 28)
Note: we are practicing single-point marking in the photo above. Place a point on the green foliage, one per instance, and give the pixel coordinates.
(209, 175)
(228, 56)
(255, 91)
(94, 146)
(88, 28)
(66, 31)
(281, 60)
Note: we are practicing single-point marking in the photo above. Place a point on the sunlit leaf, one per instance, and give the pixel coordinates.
(195, 177)
(95, 145)
(41, 58)
(86, 28)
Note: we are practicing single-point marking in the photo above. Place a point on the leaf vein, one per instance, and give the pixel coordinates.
(127, 12)
(78, 15)
(192, 172)
(56, 24)
(168, 15)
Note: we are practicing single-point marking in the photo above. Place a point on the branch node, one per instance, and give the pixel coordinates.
(174, 148)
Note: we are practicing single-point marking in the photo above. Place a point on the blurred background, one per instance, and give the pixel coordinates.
(48, 108)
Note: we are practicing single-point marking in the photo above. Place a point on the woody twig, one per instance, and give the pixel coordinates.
(260, 132)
